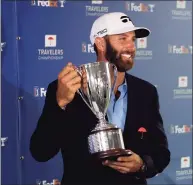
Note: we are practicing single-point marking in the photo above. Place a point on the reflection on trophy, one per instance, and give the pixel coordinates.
(105, 140)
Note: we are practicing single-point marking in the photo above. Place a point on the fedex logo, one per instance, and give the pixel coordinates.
(39, 91)
(49, 3)
(141, 7)
(180, 129)
(44, 182)
(3, 141)
(179, 50)
(87, 48)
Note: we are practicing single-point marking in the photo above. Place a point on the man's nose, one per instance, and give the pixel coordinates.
(131, 46)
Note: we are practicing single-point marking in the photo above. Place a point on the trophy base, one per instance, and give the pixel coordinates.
(113, 154)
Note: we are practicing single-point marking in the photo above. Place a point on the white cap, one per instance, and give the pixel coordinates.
(115, 23)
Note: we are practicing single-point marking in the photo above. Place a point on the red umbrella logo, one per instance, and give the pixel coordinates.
(50, 39)
(142, 130)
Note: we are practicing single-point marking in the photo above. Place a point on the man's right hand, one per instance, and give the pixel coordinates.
(69, 81)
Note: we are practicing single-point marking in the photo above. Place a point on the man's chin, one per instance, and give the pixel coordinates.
(124, 68)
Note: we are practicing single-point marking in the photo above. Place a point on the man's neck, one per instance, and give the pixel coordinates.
(101, 58)
(120, 80)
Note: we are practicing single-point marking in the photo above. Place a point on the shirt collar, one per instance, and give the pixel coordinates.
(123, 88)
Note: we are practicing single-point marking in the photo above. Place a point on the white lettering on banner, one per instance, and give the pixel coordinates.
(190, 48)
(181, 14)
(62, 3)
(87, 48)
(180, 50)
(151, 7)
(45, 3)
(2, 45)
(39, 91)
(94, 14)
(180, 130)
(50, 57)
(90, 48)
(141, 7)
(182, 93)
(3, 141)
(144, 53)
(44, 182)
(184, 174)
(42, 92)
(97, 9)
(50, 51)
(50, 3)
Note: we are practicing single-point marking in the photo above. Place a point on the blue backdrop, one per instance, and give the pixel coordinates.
(40, 37)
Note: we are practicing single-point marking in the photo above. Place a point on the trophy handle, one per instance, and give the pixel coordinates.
(81, 93)
(115, 76)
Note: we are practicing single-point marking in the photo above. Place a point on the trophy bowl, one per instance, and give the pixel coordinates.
(105, 140)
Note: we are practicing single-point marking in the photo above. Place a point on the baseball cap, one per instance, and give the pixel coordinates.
(115, 23)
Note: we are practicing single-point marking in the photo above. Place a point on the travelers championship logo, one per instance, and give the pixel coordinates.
(182, 92)
(180, 49)
(186, 170)
(139, 7)
(49, 3)
(142, 53)
(181, 11)
(51, 53)
(96, 8)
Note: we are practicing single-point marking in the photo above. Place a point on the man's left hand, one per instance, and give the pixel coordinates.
(126, 164)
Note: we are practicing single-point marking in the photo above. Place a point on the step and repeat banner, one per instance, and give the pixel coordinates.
(39, 37)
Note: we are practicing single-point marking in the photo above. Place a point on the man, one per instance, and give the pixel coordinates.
(66, 121)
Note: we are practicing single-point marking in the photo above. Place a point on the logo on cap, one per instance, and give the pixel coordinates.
(101, 32)
(125, 19)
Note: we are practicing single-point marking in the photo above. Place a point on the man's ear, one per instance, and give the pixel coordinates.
(100, 44)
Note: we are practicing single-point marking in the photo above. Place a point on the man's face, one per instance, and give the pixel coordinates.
(120, 50)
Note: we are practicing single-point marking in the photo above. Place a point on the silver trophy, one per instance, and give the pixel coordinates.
(105, 140)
